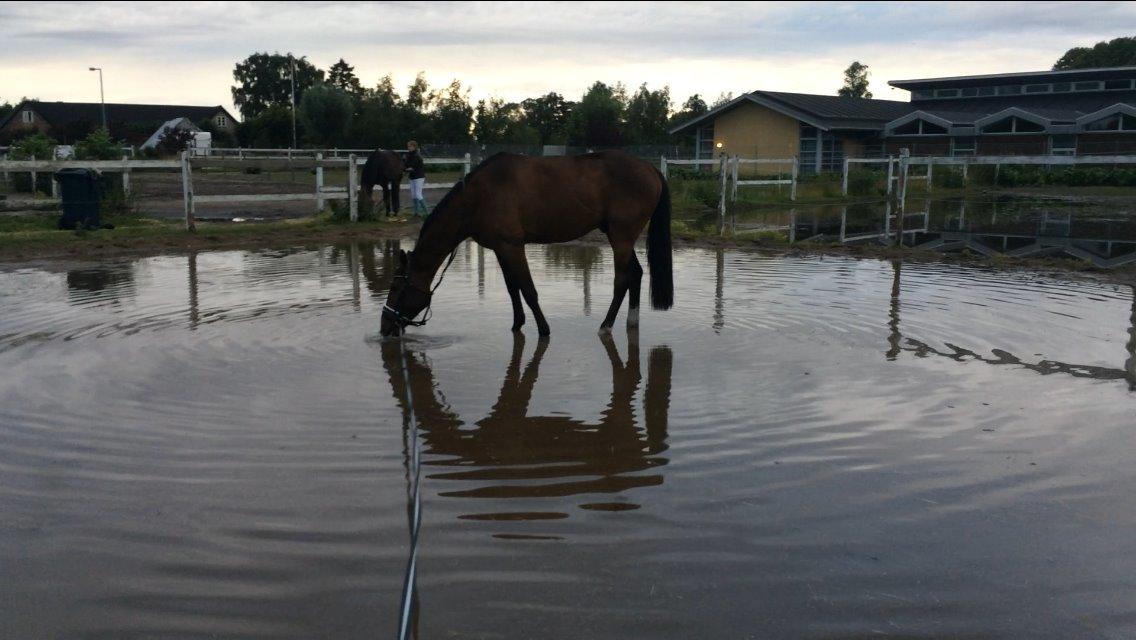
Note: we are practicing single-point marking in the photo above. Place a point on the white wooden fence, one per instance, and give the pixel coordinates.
(186, 163)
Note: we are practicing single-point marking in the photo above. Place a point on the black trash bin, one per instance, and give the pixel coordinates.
(81, 191)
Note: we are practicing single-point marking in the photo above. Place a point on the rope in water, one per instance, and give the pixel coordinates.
(415, 499)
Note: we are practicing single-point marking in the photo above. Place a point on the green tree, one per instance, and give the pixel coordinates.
(265, 80)
(326, 113)
(342, 76)
(451, 118)
(1119, 52)
(99, 146)
(5, 109)
(723, 98)
(693, 107)
(37, 145)
(173, 141)
(548, 115)
(855, 82)
(498, 122)
(597, 120)
(272, 129)
(220, 137)
(646, 115)
(380, 118)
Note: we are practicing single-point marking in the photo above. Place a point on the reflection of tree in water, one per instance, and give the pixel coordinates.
(583, 259)
(897, 343)
(377, 263)
(510, 454)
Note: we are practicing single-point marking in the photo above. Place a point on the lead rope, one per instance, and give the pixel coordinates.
(415, 499)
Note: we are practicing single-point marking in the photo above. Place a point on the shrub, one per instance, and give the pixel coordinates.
(173, 141)
(40, 147)
(98, 146)
(862, 183)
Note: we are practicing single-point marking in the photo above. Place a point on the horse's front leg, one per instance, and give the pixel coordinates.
(518, 266)
(625, 276)
(386, 199)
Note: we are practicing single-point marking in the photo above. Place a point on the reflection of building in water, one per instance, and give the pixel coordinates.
(511, 454)
(897, 343)
(111, 283)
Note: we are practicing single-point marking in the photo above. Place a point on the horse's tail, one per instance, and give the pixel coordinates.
(659, 250)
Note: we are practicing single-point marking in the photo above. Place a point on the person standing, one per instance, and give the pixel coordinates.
(417, 169)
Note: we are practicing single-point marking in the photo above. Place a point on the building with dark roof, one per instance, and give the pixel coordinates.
(1082, 112)
(69, 122)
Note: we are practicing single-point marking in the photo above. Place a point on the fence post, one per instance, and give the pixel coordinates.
(734, 175)
(465, 165)
(930, 173)
(722, 194)
(33, 179)
(54, 187)
(793, 180)
(891, 159)
(901, 193)
(125, 177)
(187, 191)
(352, 188)
(663, 166)
(319, 183)
(792, 226)
(965, 166)
(7, 177)
(844, 181)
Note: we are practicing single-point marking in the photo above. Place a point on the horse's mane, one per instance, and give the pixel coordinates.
(458, 187)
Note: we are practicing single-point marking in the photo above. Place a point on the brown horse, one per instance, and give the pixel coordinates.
(385, 169)
(511, 200)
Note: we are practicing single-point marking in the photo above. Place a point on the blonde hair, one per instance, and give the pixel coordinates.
(412, 145)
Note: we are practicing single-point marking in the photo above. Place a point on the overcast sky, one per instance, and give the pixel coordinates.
(184, 53)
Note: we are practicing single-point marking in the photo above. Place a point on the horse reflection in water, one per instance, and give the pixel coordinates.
(516, 455)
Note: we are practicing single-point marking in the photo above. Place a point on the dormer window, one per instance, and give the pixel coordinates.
(1013, 124)
(222, 121)
(27, 117)
(1114, 122)
(919, 127)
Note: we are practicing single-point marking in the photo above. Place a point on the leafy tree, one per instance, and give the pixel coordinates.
(174, 140)
(5, 109)
(1119, 52)
(693, 107)
(646, 115)
(265, 80)
(326, 113)
(99, 146)
(548, 115)
(498, 122)
(855, 82)
(342, 76)
(723, 98)
(272, 129)
(597, 120)
(379, 121)
(451, 118)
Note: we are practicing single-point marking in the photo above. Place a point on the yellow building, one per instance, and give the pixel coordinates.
(820, 131)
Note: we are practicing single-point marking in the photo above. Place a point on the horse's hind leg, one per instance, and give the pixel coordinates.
(514, 259)
(634, 282)
(395, 188)
(514, 293)
(624, 254)
(386, 199)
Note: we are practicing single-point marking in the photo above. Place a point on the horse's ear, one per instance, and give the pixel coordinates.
(402, 257)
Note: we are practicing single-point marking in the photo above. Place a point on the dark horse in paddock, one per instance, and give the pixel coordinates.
(383, 168)
(511, 200)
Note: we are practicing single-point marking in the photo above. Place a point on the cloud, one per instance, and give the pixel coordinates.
(185, 52)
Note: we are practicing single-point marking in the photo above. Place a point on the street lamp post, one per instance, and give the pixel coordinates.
(102, 100)
(293, 96)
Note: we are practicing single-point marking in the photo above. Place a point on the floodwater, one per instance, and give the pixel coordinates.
(212, 446)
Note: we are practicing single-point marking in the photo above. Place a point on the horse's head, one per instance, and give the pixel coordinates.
(404, 301)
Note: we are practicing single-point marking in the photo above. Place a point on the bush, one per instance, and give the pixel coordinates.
(40, 147)
(173, 141)
(863, 183)
(949, 177)
(98, 146)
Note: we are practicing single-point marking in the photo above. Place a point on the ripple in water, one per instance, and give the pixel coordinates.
(213, 445)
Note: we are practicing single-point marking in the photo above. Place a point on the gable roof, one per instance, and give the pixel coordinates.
(1067, 75)
(61, 113)
(823, 112)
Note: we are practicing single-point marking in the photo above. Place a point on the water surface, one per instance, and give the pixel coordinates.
(212, 446)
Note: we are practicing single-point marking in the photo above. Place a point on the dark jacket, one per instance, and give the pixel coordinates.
(415, 166)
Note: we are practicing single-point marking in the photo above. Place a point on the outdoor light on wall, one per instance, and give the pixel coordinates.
(718, 145)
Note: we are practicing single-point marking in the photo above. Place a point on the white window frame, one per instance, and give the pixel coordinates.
(222, 121)
(27, 116)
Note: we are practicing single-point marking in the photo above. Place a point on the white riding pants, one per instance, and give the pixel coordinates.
(416, 188)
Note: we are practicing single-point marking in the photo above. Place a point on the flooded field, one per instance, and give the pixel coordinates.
(212, 446)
